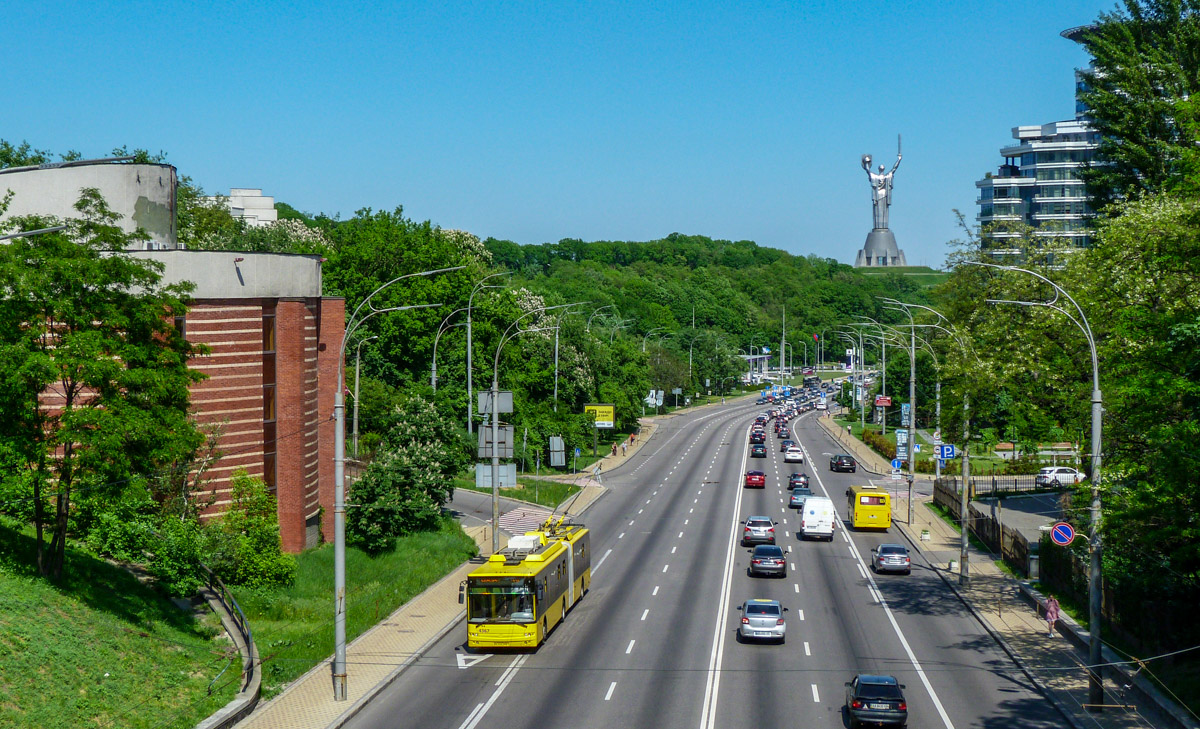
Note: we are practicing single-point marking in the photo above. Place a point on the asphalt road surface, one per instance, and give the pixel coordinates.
(653, 644)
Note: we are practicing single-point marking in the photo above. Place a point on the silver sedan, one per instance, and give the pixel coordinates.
(762, 620)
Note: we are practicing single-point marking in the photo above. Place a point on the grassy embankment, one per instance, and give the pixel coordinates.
(293, 626)
(101, 649)
(543, 492)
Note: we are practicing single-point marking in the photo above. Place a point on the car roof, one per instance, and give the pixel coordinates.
(883, 680)
(758, 518)
(762, 601)
(755, 473)
(882, 547)
(768, 548)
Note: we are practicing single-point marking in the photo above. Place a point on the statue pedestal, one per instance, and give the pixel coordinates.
(880, 251)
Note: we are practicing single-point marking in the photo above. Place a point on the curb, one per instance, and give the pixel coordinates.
(1004, 645)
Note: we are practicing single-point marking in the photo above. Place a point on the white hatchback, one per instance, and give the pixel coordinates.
(1058, 476)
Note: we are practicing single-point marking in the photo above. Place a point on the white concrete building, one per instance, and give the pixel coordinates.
(249, 204)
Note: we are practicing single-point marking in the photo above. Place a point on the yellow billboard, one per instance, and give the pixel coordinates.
(604, 415)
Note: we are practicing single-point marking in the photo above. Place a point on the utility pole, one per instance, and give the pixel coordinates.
(964, 554)
(470, 302)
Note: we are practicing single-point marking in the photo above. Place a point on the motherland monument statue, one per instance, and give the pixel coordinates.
(880, 248)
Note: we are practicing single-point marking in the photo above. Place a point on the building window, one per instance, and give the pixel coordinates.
(269, 403)
(181, 326)
(268, 333)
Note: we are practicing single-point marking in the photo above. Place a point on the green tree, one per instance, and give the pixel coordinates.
(94, 390)
(1146, 59)
(410, 479)
(247, 549)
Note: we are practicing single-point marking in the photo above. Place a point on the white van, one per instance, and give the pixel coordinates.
(817, 518)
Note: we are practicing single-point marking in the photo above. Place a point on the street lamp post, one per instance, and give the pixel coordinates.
(470, 303)
(357, 352)
(647, 335)
(339, 477)
(595, 312)
(912, 399)
(1095, 591)
(495, 396)
(442, 329)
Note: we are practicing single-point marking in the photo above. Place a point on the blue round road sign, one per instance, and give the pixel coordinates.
(1062, 534)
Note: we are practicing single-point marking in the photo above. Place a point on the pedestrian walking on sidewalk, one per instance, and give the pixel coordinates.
(614, 449)
(1052, 615)
(622, 449)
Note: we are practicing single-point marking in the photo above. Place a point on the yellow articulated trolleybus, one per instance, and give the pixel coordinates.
(869, 507)
(516, 597)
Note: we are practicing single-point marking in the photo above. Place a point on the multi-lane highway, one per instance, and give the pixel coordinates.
(653, 643)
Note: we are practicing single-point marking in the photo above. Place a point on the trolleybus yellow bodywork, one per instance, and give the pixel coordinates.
(517, 597)
(869, 508)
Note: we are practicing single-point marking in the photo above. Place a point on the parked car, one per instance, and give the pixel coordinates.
(793, 455)
(799, 494)
(842, 462)
(767, 559)
(798, 479)
(762, 619)
(755, 480)
(758, 450)
(758, 530)
(891, 558)
(876, 700)
(1057, 476)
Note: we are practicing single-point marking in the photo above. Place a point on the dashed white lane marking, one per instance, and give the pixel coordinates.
(630, 648)
(806, 651)
(640, 510)
(793, 566)
(631, 523)
(797, 586)
(673, 549)
(647, 501)
(695, 501)
(621, 535)
(685, 521)
(665, 566)
(645, 613)
(801, 614)
(789, 546)
(655, 591)
(816, 698)
(680, 536)
(690, 510)
(613, 687)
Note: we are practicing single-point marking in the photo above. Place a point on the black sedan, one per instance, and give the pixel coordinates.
(842, 462)
(876, 700)
(798, 479)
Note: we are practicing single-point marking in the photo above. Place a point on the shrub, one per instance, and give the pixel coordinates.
(177, 551)
(245, 548)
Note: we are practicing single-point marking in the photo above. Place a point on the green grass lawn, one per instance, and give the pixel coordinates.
(293, 626)
(535, 490)
(101, 649)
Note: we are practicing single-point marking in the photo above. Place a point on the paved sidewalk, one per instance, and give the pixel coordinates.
(373, 659)
(995, 598)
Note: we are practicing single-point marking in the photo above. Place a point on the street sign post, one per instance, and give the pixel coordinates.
(897, 475)
(946, 451)
(916, 447)
(1062, 534)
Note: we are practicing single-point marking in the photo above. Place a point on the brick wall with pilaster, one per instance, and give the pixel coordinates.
(332, 328)
(293, 326)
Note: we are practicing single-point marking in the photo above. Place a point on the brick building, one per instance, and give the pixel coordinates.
(271, 377)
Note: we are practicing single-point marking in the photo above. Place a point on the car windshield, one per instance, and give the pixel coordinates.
(879, 691)
(768, 552)
(753, 609)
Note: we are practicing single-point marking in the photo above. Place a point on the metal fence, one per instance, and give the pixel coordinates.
(997, 485)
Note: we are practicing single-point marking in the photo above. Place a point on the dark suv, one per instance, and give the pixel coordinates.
(842, 463)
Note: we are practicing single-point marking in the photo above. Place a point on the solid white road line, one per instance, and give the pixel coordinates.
(501, 684)
(708, 713)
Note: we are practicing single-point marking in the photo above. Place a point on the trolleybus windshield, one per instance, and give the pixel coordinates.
(500, 600)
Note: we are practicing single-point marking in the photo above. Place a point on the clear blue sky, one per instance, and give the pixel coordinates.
(548, 120)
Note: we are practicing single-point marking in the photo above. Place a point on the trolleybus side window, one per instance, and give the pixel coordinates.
(500, 600)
